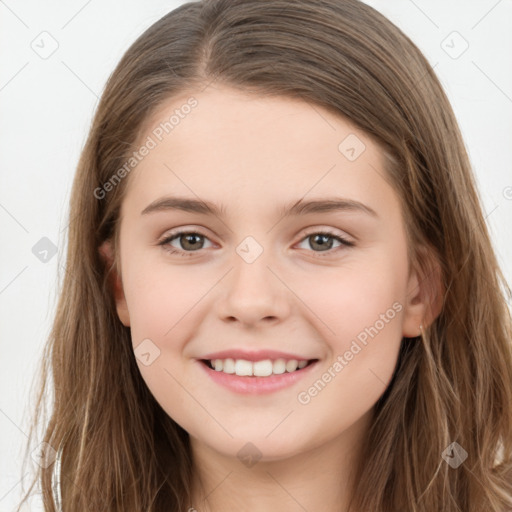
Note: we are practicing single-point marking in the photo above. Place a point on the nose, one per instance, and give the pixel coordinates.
(254, 293)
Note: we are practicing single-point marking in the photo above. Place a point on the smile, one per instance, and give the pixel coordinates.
(256, 377)
(263, 368)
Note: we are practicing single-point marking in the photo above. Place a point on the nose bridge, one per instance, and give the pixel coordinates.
(253, 292)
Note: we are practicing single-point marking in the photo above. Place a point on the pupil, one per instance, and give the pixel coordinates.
(193, 244)
(321, 244)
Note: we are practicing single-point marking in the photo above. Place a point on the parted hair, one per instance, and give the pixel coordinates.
(118, 450)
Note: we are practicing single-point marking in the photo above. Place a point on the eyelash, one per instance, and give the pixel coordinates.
(177, 234)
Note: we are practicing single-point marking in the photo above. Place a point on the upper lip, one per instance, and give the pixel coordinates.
(256, 355)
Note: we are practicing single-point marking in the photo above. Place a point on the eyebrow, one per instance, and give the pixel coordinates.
(299, 207)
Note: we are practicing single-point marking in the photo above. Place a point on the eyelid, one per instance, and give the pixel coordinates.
(328, 231)
(345, 243)
(174, 234)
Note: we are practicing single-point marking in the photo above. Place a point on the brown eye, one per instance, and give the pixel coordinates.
(191, 241)
(323, 242)
(187, 241)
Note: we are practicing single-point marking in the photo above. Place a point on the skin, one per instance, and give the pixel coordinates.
(254, 155)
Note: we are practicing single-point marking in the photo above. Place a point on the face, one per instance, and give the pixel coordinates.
(303, 257)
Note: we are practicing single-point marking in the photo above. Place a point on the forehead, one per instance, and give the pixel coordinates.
(253, 150)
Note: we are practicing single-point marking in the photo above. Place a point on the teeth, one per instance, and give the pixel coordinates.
(243, 367)
(229, 366)
(291, 365)
(263, 368)
(279, 366)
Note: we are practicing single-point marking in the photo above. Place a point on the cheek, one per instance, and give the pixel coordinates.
(360, 313)
(366, 322)
(356, 296)
(160, 297)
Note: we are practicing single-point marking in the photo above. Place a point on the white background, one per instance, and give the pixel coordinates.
(47, 105)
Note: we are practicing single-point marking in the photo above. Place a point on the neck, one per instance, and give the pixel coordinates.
(320, 478)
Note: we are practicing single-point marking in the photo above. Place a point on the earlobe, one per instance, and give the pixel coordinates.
(116, 286)
(424, 300)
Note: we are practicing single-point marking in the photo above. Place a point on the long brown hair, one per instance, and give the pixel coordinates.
(119, 451)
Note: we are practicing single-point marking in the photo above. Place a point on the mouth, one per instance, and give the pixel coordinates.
(258, 377)
(262, 368)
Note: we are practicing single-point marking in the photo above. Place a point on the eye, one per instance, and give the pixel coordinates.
(324, 240)
(190, 242)
(193, 241)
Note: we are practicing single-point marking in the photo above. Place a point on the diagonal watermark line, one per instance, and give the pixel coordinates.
(215, 284)
(380, 174)
(65, 227)
(491, 80)
(196, 195)
(12, 280)
(377, 376)
(13, 423)
(14, 486)
(14, 218)
(424, 13)
(199, 403)
(217, 486)
(13, 13)
(292, 497)
(485, 15)
(301, 300)
(485, 218)
(80, 79)
(209, 83)
(14, 76)
(312, 106)
(282, 421)
(69, 219)
(430, 69)
(75, 15)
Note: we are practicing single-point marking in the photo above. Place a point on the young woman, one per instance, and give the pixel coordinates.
(280, 291)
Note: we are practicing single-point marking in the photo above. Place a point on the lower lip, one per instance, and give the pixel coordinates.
(257, 385)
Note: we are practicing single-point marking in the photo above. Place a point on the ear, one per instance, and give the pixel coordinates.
(425, 293)
(107, 254)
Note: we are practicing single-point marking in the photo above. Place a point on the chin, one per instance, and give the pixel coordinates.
(252, 446)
